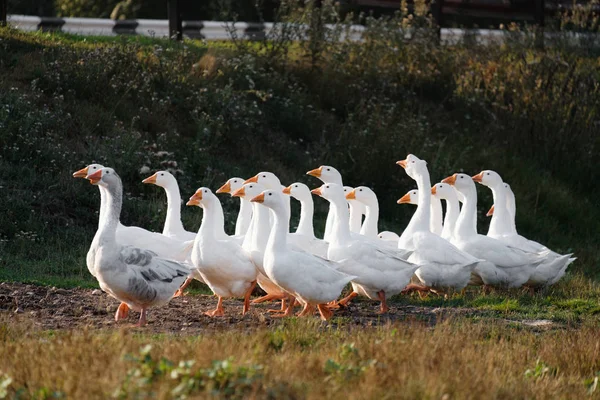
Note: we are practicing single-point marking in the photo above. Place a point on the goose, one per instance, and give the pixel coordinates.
(255, 242)
(442, 266)
(357, 210)
(502, 227)
(305, 231)
(436, 222)
(327, 174)
(305, 276)
(368, 199)
(446, 192)
(270, 181)
(242, 224)
(223, 264)
(504, 266)
(380, 272)
(137, 277)
(163, 246)
(173, 225)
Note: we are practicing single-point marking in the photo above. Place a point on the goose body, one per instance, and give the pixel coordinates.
(224, 265)
(305, 276)
(136, 277)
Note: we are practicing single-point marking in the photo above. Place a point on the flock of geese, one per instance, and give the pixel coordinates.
(435, 253)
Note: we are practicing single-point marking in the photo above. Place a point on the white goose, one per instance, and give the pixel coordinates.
(307, 277)
(255, 242)
(502, 227)
(389, 236)
(163, 246)
(368, 199)
(505, 266)
(242, 224)
(136, 277)
(446, 192)
(380, 272)
(357, 210)
(327, 174)
(436, 221)
(305, 231)
(173, 225)
(223, 264)
(441, 265)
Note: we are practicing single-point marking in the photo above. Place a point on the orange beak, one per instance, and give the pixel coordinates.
(450, 180)
(402, 163)
(150, 179)
(351, 195)
(82, 173)
(226, 188)
(478, 178)
(491, 212)
(404, 199)
(195, 199)
(433, 190)
(288, 190)
(239, 193)
(95, 177)
(317, 191)
(254, 179)
(259, 199)
(315, 172)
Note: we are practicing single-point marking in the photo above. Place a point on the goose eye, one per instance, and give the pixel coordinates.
(413, 162)
(461, 177)
(162, 174)
(360, 190)
(270, 194)
(328, 169)
(487, 173)
(326, 187)
(264, 176)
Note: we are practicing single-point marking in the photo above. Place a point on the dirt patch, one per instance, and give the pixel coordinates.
(54, 308)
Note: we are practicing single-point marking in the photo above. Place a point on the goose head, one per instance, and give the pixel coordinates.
(84, 172)
(249, 191)
(413, 165)
(327, 174)
(202, 198)
(412, 197)
(331, 192)
(163, 179)
(488, 178)
(461, 182)
(443, 191)
(389, 236)
(362, 194)
(268, 179)
(231, 185)
(271, 198)
(105, 177)
(299, 191)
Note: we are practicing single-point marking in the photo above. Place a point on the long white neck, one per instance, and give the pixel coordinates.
(420, 219)
(261, 227)
(305, 225)
(356, 213)
(340, 233)
(500, 223)
(436, 222)
(173, 221)
(511, 205)
(369, 227)
(212, 225)
(244, 218)
(466, 225)
(108, 223)
(452, 211)
(103, 200)
(281, 226)
(331, 214)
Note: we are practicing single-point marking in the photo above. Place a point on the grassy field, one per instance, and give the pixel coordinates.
(211, 111)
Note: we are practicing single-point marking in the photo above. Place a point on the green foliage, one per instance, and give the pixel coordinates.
(349, 366)
(541, 371)
(221, 380)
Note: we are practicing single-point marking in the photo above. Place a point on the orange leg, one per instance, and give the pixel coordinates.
(268, 297)
(289, 310)
(247, 297)
(384, 307)
(122, 312)
(344, 302)
(413, 287)
(283, 308)
(307, 310)
(142, 321)
(179, 291)
(217, 312)
(325, 312)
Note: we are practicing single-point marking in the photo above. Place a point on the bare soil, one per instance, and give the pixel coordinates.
(55, 308)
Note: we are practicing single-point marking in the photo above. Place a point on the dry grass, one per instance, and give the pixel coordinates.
(460, 358)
